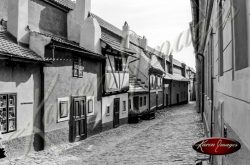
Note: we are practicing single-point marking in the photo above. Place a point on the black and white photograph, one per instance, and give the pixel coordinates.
(125, 82)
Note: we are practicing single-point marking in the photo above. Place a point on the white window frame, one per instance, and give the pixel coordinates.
(93, 106)
(59, 100)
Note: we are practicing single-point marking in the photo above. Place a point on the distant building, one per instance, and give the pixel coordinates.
(176, 85)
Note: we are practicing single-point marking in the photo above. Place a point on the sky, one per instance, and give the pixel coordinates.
(158, 20)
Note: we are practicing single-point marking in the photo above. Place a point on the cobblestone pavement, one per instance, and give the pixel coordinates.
(166, 140)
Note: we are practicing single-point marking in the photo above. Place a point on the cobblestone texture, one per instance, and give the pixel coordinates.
(166, 140)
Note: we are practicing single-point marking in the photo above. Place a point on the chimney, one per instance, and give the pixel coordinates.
(184, 69)
(144, 43)
(125, 35)
(171, 63)
(76, 18)
(18, 20)
(91, 35)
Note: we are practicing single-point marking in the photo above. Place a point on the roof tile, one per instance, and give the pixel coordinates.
(65, 3)
(8, 46)
(106, 25)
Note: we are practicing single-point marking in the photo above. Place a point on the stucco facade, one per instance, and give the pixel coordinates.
(59, 82)
(224, 72)
(23, 80)
(108, 110)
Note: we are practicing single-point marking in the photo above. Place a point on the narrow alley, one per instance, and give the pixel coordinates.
(165, 140)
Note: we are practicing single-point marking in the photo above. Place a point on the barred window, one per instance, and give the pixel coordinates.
(118, 64)
(8, 112)
(78, 67)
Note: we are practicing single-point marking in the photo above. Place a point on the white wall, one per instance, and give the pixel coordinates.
(21, 81)
(109, 101)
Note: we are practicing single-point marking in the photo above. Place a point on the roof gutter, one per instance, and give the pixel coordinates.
(11, 57)
(93, 55)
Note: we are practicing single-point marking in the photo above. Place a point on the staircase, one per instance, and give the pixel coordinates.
(136, 82)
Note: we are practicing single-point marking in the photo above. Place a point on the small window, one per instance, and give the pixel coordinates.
(145, 100)
(124, 106)
(63, 109)
(156, 82)
(118, 64)
(8, 112)
(108, 111)
(140, 101)
(152, 82)
(78, 67)
(90, 105)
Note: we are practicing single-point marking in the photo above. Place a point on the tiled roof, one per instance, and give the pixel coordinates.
(67, 42)
(177, 63)
(65, 3)
(115, 43)
(135, 39)
(155, 64)
(58, 39)
(106, 25)
(10, 48)
(135, 86)
(176, 77)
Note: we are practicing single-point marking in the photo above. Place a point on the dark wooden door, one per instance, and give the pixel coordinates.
(116, 112)
(78, 128)
(157, 101)
(166, 99)
(136, 103)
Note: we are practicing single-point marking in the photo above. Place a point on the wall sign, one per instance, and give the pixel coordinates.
(217, 146)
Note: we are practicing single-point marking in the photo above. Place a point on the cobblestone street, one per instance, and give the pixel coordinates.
(165, 140)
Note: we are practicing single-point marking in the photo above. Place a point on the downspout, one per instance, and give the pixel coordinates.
(42, 109)
(149, 89)
(203, 82)
(170, 92)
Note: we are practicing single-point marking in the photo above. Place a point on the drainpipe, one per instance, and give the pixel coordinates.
(149, 89)
(203, 83)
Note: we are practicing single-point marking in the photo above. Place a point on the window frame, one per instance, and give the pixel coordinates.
(78, 67)
(118, 64)
(59, 101)
(145, 100)
(7, 112)
(92, 99)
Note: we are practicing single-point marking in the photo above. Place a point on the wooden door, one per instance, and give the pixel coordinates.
(157, 102)
(116, 112)
(166, 100)
(78, 128)
(136, 103)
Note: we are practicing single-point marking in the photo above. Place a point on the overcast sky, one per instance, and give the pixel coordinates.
(158, 20)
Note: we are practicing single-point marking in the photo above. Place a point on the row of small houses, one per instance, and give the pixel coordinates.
(66, 74)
